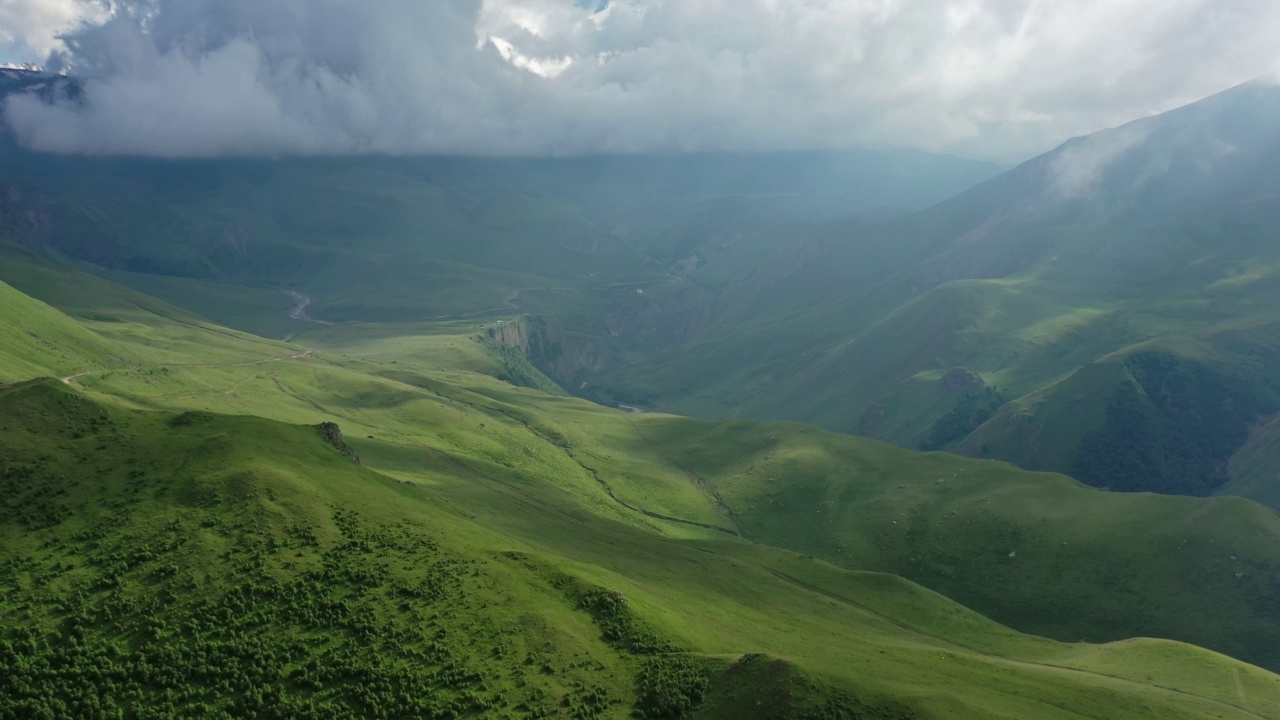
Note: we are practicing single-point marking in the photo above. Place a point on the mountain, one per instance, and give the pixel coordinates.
(375, 525)
(33, 80)
(1115, 293)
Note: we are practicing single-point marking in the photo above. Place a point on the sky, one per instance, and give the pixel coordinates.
(992, 79)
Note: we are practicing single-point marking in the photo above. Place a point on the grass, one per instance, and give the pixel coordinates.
(39, 339)
(142, 331)
(261, 311)
(250, 511)
(1254, 468)
(242, 529)
(751, 559)
(412, 407)
(1046, 344)
(1039, 552)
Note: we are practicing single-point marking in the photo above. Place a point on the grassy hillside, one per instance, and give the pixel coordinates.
(1034, 284)
(1039, 552)
(1168, 415)
(39, 340)
(632, 255)
(405, 396)
(195, 564)
(1254, 468)
(141, 329)
(498, 551)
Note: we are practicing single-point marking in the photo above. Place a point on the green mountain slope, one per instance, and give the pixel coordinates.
(217, 566)
(39, 339)
(1038, 552)
(411, 409)
(1157, 237)
(499, 551)
(1255, 466)
(1106, 310)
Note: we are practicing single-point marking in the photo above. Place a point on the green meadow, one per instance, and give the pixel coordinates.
(183, 536)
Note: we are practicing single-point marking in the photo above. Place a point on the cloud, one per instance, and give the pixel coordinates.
(32, 27)
(992, 78)
(1080, 166)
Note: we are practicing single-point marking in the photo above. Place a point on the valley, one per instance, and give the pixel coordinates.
(168, 470)
(719, 303)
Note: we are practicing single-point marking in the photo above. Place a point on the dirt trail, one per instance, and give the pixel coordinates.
(70, 379)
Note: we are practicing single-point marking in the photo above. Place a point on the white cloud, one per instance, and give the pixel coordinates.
(29, 29)
(1080, 166)
(545, 67)
(995, 78)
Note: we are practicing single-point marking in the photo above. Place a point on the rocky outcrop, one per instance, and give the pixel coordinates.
(333, 435)
(566, 357)
(511, 334)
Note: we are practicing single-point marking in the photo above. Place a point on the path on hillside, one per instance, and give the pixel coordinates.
(563, 445)
(70, 379)
(698, 481)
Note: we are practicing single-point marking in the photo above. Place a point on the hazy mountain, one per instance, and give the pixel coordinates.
(719, 285)
(1151, 245)
(33, 80)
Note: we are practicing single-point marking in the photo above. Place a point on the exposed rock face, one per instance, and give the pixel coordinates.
(512, 334)
(629, 323)
(959, 380)
(566, 357)
(333, 435)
